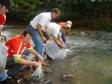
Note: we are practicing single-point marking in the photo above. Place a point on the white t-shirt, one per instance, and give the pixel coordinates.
(42, 18)
(54, 29)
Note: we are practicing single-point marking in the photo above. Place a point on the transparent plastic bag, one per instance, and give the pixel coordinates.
(54, 51)
(38, 73)
(3, 60)
(3, 56)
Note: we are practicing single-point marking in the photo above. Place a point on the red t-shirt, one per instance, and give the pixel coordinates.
(2, 19)
(16, 46)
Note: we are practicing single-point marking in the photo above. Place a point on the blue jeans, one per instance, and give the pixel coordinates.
(39, 45)
(63, 37)
(3, 76)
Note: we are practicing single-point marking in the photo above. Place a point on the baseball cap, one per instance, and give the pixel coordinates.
(69, 24)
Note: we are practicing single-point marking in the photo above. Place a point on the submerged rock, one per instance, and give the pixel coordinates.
(48, 82)
(66, 77)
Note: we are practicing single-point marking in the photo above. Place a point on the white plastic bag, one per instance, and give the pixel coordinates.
(38, 73)
(3, 56)
(54, 51)
(3, 60)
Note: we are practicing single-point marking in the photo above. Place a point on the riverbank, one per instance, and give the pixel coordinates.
(82, 23)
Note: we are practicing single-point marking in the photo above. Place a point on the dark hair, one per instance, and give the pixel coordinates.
(56, 10)
(5, 3)
(26, 32)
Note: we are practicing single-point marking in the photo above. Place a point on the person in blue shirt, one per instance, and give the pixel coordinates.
(65, 24)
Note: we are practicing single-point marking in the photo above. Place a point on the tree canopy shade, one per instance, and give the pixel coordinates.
(87, 10)
(69, 8)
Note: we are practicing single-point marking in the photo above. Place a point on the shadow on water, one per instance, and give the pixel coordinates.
(90, 61)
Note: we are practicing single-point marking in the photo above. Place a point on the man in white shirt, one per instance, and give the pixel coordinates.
(54, 31)
(38, 24)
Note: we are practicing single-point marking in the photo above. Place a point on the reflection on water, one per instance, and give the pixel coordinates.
(90, 61)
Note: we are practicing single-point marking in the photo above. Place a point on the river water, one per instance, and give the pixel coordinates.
(89, 62)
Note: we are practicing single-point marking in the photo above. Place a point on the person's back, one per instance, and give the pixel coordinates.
(42, 18)
(54, 29)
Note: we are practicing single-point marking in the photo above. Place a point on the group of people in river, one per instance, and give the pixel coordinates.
(39, 30)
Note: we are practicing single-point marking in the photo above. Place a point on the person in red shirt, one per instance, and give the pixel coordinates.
(3, 10)
(16, 47)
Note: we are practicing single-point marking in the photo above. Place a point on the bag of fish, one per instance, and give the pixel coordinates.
(54, 51)
(38, 73)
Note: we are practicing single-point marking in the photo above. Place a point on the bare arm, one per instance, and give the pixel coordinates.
(28, 62)
(58, 42)
(39, 29)
(47, 30)
(18, 59)
(33, 51)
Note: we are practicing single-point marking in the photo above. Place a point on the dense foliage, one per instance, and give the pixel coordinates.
(96, 13)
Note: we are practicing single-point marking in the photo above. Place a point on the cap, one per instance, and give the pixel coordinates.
(69, 24)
